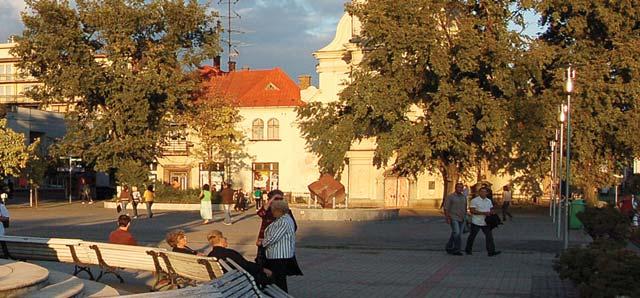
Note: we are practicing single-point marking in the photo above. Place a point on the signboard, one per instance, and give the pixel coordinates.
(636, 166)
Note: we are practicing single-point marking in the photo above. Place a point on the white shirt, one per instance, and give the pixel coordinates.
(4, 212)
(481, 205)
(280, 238)
(506, 196)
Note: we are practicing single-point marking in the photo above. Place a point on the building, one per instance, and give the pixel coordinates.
(266, 100)
(367, 185)
(13, 83)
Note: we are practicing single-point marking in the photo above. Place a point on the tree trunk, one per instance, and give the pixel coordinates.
(450, 175)
(590, 195)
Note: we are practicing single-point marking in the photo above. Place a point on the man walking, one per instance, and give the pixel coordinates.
(480, 207)
(455, 207)
(227, 202)
(506, 202)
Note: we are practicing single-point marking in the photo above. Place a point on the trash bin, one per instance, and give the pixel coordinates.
(576, 207)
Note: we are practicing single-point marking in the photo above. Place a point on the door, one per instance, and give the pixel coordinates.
(181, 177)
(396, 192)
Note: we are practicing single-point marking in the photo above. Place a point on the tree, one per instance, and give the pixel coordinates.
(600, 40)
(432, 89)
(214, 119)
(125, 65)
(14, 154)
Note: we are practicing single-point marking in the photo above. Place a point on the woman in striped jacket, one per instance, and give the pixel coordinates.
(280, 245)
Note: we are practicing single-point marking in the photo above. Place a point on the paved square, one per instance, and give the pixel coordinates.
(399, 258)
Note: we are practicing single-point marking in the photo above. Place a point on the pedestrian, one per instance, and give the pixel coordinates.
(506, 202)
(135, 200)
(280, 245)
(125, 198)
(85, 191)
(149, 195)
(205, 204)
(227, 202)
(4, 214)
(267, 217)
(220, 250)
(480, 208)
(177, 239)
(122, 235)
(455, 207)
(257, 196)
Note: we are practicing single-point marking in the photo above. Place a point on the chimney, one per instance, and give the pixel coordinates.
(232, 66)
(304, 81)
(216, 62)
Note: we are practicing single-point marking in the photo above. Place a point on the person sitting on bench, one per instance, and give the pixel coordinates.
(122, 235)
(220, 250)
(178, 241)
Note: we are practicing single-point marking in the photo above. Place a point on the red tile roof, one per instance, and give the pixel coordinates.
(254, 88)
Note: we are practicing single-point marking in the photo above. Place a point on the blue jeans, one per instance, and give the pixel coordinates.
(455, 240)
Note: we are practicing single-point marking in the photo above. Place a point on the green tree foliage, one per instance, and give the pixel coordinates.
(433, 88)
(126, 64)
(214, 119)
(132, 173)
(600, 39)
(14, 154)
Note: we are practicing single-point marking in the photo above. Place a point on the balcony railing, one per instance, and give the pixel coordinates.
(176, 148)
(16, 99)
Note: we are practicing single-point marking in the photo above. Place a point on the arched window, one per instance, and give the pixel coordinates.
(273, 127)
(257, 129)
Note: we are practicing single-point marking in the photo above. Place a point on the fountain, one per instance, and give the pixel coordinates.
(330, 203)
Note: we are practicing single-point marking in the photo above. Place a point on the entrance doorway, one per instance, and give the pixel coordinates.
(396, 192)
(181, 177)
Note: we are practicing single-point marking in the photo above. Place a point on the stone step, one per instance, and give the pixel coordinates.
(96, 289)
(60, 285)
(19, 278)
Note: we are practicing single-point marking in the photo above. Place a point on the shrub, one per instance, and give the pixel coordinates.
(599, 271)
(605, 224)
(167, 194)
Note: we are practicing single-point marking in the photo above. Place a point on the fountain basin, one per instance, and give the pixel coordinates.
(355, 214)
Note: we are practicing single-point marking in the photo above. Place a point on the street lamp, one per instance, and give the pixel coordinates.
(552, 144)
(570, 75)
(562, 113)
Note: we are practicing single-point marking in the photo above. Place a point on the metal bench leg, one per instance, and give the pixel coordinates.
(104, 272)
(77, 269)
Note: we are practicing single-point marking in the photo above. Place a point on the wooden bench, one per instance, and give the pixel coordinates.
(47, 249)
(229, 265)
(113, 257)
(189, 270)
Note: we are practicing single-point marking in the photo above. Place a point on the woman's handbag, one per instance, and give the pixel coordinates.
(5, 222)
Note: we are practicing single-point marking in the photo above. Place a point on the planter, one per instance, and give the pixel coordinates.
(166, 206)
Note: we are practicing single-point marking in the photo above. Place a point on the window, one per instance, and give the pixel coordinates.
(432, 185)
(257, 129)
(6, 72)
(273, 125)
(271, 87)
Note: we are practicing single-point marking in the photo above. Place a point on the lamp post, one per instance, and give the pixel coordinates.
(571, 74)
(552, 196)
(561, 118)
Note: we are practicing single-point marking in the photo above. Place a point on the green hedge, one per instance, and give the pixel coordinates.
(605, 268)
(167, 194)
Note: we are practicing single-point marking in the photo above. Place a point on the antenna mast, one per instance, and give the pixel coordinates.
(231, 51)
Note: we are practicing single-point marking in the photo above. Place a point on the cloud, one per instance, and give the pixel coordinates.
(284, 33)
(10, 16)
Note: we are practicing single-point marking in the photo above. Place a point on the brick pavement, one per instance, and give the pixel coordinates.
(400, 258)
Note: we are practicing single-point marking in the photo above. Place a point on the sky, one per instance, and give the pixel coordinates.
(276, 33)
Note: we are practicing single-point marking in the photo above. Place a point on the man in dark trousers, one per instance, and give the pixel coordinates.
(226, 194)
(480, 207)
(220, 250)
(455, 207)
